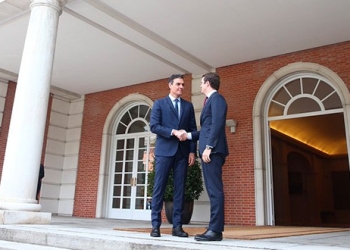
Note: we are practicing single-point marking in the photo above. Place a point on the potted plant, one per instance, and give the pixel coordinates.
(194, 188)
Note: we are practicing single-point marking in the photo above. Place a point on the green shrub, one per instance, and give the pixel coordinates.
(194, 183)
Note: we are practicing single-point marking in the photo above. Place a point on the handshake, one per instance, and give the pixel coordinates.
(180, 134)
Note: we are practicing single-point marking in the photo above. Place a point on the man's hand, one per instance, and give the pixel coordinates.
(191, 159)
(206, 155)
(181, 134)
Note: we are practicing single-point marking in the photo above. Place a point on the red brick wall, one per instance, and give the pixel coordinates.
(240, 85)
(96, 109)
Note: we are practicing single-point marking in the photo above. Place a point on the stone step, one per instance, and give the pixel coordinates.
(93, 239)
(9, 245)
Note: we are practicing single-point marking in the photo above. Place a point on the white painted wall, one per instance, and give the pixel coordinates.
(61, 156)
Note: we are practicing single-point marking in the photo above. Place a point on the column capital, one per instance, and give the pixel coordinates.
(55, 4)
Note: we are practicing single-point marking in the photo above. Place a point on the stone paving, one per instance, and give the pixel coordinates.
(87, 233)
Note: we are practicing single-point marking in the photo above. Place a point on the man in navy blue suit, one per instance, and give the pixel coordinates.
(171, 117)
(213, 150)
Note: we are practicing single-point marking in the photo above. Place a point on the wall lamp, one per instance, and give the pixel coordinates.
(232, 123)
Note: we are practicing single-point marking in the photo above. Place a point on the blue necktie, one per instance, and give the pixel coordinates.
(177, 107)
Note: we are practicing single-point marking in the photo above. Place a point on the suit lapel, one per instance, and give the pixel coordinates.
(208, 102)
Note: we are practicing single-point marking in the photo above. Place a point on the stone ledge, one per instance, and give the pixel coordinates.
(23, 217)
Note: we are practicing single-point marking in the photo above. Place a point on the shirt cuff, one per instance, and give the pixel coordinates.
(189, 136)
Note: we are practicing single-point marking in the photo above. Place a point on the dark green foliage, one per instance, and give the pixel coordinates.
(194, 183)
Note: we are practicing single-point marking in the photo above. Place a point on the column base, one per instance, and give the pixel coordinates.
(24, 217)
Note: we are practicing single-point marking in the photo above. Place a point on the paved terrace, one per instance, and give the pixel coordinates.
(87, 234)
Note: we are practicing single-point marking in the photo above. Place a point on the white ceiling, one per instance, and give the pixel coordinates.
(106, 44)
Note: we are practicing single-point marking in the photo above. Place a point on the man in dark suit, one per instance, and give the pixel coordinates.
(170, 118)
(213, 150)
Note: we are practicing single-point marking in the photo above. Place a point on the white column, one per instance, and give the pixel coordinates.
(27, 126)
(201, 209)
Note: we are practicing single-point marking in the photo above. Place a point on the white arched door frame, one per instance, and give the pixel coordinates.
(107, 136)
(262, 163)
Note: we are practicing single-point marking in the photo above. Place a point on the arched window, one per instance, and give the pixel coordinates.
(303, 94)
(134, 120)
(301, 101)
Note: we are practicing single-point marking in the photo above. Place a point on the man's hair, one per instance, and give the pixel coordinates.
(175, 76)
(213, 79)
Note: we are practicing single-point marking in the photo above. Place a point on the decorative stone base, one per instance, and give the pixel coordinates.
(23, 217)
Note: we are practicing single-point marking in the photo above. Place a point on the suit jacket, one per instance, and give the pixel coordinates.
(164, 118)
(213, 121)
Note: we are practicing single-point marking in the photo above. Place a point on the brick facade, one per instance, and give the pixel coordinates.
(240, 85)
(96, 109)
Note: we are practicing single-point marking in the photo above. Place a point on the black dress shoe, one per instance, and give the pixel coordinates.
(209, 235)
(155, 232)
(179, 232)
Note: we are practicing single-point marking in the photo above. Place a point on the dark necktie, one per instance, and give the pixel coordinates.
(177, 107)
(205, 101)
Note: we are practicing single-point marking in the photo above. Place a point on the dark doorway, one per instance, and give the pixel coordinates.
(310, 171)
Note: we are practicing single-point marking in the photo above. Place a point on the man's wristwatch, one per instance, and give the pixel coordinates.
(208, 147)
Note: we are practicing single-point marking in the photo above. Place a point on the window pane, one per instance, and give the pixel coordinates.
(137, 127)
(120, 144)
(134, 112)
(126, 119)
(141, 178)
(129, 155)
(130, 143)
(140, 191)
(139, 203)
(117, 191)
(121, 128)
(142, 143)
(294, 87)
(128, 179)
(141, 153)
(282, 96)
(303, 105)
(275, 109)
(127, 191)
(119, 155)
(144, 110)
(323, 90)
(309, 85)
(118, 179)
(141, 166)
(126, 203)
(118, 167)
(128, 166)
(332, 102)
(116, 203)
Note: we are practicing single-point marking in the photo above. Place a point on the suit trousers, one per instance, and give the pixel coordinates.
(212, 173)
(179, 164)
